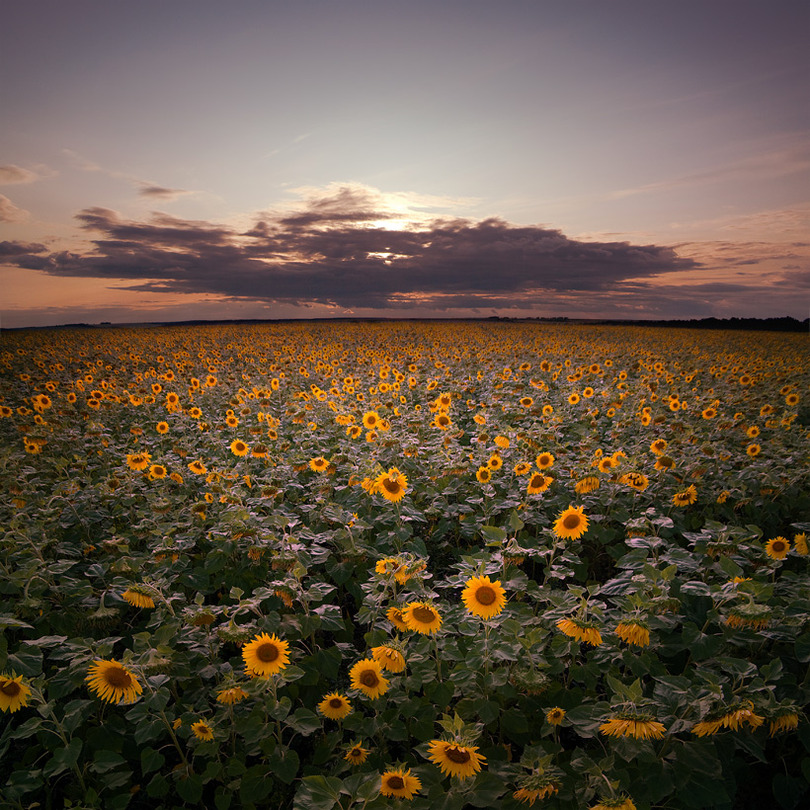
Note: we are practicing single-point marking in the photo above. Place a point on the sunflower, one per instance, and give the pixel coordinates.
(631, 724)
(421, 617)
(573, 399)
(335, 706)
(157, 471)
(581, 631)
(239, 448)
(800, 544)
(638, 481)
(356, 754)
(633, 631)
(483, 598)
(538, 483)
(484, 475)
(389, 657)
(198, 468)
(318, 464)
(162, 427)
(753, 450)
(136, 597)
(138, 461)
(544, 461)
(685, 498)
(265, 655)
(455, 759)
(571, 524)
(522, 468)
(555, 716)
(442, 421)
(785, 720)
(392, 485)
(706, 728)
(495, 462)
(371, 420)
(502, 442)
(395, 616)
(400, 783)
(202, 731)
(14, 693)
(113, 682)
(777, 548)
(536, 786)
(233, 694)
(658, 446)
(587, 484)
(367, 677)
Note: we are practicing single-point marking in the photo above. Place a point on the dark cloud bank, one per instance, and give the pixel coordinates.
(330, 253)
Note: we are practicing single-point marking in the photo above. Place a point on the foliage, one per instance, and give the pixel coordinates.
(172, 499)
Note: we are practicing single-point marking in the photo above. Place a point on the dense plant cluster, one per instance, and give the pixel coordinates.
(366, 565)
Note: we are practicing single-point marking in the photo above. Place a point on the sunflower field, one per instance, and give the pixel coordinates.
(333, 565)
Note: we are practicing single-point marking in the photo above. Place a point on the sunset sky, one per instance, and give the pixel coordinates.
(191, 159)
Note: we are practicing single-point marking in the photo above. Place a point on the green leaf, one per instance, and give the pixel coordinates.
(63, 758)
(151, 760)
(284, 764)
(318, 793)
(190, 787)
(493, 534)
(304, 721)
(105, 761)
(256, 785)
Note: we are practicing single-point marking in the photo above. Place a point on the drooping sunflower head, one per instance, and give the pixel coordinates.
(571, 524)
(113, 682)
(395, 616)
(265, 655)
(138, 596)
(484, 598)
(389, 656)
(422, 617)
(231, 695)
(455, 759)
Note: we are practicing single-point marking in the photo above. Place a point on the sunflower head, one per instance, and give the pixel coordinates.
(113, 682)
(356, 754)
(335, 706)
(422, 617)
(400, 784)
(484, 598)
(366, 676)
(265, 655)
(202, 731)
(14, 693)
(455, 759)
(571, 524)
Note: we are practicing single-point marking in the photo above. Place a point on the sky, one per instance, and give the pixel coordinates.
(189, 159)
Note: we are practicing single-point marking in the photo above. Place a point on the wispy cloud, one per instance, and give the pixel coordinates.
(11, 174)
(155, 192)
(10, 212)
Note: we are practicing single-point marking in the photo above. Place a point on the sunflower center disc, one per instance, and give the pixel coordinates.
(486, 595)
(457, 755)
(571, 522)
(267, 653)
(336, 703)
(392, 485)
(537, 481)
(369, 678)
(117, 678)
(11, 689)
(778, 547)
(423, 615)
(396, 782)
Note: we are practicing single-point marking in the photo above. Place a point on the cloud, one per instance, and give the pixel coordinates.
(329, 253)
(10, 212)
(155, 192)
(11, 174)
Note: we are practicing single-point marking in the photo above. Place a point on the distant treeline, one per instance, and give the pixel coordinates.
(786, 324)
